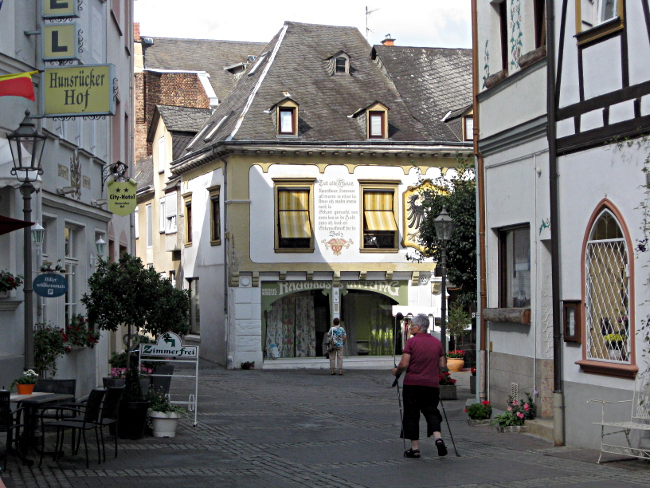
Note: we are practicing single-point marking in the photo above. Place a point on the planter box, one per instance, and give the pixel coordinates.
(132, 419)
(511, 428)
(117, 382)
(448, 392)
(474, 422)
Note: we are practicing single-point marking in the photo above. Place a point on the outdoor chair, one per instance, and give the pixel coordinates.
(87, 418)
(108, 417)
(11, 424)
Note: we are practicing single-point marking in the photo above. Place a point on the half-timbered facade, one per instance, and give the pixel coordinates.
(565, 201)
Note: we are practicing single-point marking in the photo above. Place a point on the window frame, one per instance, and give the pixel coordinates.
(162, 154)
(540, 23)
(284, 184)
(379, 187)
(382, 115)
(149, 225)
(136, 222)
(162, 221)
(290, 107)
(506, 268)
(623, 368)
(468, 132)
(601, 29)
(215, 217)
(572, 321)
(187, 219)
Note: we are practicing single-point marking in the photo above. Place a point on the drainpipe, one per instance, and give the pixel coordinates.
(481, 299)
(551, 103)
(229, 357)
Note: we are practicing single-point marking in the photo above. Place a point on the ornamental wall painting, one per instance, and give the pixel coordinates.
(414, 213)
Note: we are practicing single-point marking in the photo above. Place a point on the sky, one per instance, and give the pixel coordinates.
(427, 23)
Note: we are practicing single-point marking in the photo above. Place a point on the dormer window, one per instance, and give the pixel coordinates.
(286, 113)
(287, 120)
(468, 127)
(339, 64)
(376, 125)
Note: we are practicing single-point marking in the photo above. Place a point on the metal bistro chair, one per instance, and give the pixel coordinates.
(108, 417)
(10, 423)
(88, 419)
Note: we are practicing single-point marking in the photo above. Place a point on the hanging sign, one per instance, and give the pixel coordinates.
(60, 9)
(78, 91)
(169, 345)
(121, 197)
(50, 285)
(60, 42)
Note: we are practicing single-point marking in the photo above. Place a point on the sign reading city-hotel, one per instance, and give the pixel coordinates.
(78, 91)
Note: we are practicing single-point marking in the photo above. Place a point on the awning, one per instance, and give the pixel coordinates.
(380, 220)
(294, 224)
(7, 224)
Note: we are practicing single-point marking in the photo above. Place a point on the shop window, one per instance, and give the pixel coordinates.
(596, 19)
(294, 230)
(188, 219)
(379, 218)
(607, 308)
(215, 216)
(514, 267)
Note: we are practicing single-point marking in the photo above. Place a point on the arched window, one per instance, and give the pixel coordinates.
(607, 293)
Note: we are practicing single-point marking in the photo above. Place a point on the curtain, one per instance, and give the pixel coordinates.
(291, 327)
(305, 326)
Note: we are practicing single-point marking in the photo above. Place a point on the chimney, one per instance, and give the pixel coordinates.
(389, 41)
(136, 31)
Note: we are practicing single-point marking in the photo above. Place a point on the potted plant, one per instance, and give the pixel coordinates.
(248, 365)
(478, 413)
(25, 383)
(447, 386)
(8, 283)
(48, 347)
(126, 293)
(163, 415)
(78, 333)
(518, 411)
(457, 320)
(456, 360)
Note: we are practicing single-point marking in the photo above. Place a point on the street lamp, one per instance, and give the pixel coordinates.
(444, 225)
(26, 145)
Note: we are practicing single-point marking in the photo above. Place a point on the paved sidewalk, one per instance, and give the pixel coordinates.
(305, 428)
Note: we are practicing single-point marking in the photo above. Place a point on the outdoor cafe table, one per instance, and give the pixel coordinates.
(32, 402)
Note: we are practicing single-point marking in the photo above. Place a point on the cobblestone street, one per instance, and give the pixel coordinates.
(305, 428)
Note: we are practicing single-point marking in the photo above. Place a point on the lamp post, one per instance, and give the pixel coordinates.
(444, 225)
(27, 145)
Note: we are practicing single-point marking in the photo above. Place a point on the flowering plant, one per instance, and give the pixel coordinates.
(507, 419)
(445, 378)
(613, 337)
(29, 377)
(456, 354)
(121, 372)
(518, 411)
(473, 371)
(9, 282)
(78, 333)
(479, 411)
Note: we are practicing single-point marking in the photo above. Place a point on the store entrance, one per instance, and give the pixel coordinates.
(368, 322)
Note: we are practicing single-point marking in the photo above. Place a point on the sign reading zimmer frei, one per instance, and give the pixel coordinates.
(168, 345)
(81, 90)
(121, 197)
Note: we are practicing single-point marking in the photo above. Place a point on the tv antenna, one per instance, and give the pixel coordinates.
(368, 12)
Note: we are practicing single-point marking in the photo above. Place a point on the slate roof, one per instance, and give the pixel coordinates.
(144, 174)
(183, 118)
(432, 81)
(295, 65)
(200, 55)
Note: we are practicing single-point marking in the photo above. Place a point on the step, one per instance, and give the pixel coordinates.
(541, 427)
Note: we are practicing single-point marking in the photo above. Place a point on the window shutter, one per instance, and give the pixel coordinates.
(171, 210)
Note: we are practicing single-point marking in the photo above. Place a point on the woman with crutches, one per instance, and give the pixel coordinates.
(422, 359)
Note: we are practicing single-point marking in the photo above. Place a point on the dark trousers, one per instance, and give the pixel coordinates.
(418, 399)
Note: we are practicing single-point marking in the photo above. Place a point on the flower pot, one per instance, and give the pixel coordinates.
(448, 392)
(510, 428)
(164, 424)
(25, 389)
(132, 417)
(116, 382)
(455, 365)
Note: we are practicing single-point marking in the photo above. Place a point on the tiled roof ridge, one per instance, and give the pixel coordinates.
(189, 39)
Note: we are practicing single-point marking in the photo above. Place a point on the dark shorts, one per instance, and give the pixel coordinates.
(418, 399)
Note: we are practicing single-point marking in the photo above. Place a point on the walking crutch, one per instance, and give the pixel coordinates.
(448, 428)
(398, 318)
